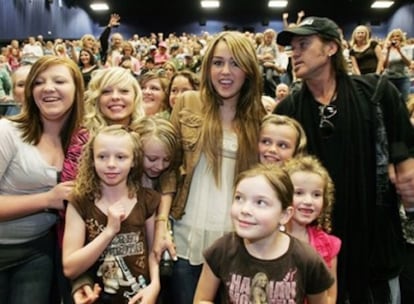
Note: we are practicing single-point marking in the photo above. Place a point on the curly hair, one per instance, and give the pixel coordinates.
(88, 183)
(101, 79)
(398, 32)
(311, 164)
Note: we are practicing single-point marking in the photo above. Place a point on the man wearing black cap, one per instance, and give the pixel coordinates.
(356, 134)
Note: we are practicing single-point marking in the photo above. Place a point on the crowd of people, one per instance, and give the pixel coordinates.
(259, 167)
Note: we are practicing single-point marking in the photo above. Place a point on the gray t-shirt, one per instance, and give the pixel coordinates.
(23, 171)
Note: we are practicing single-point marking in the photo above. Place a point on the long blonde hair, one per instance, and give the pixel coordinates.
(398, 32)
(249, 109)
(162, 129)
(103, 78)
(359, 28)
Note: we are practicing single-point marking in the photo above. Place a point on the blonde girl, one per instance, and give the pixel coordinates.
(312, 202)
(111, 216)
(281, 138)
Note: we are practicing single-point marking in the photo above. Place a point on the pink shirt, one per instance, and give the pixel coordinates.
(326, 245)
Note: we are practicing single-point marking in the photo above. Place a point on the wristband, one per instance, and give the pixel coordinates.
(161, 218)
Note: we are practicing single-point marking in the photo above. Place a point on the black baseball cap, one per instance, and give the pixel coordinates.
(310, 26)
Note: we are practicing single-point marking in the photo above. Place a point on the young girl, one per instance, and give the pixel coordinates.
(114, 220)
(312, 203)
(258, 263)
(281, 138)
(159, 142)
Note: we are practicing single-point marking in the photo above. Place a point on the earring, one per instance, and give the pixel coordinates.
(282, 228)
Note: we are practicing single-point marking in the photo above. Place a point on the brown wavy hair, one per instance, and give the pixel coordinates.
(29, 120)
(277, 177)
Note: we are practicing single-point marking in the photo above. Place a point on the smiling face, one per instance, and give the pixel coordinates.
(256, 210)
(308, 196)
(157, 159)
(85, 58)
(153, 96)
(116, 104)
(113, 158)
(277, 143)
(54, 92)
(226, 76)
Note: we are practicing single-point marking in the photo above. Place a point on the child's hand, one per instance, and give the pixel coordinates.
(116, 214)
(163, 241)
(87, 295)
(148, 295)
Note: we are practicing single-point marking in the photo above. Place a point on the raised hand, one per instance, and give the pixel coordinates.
(114, 20)
(116, 214)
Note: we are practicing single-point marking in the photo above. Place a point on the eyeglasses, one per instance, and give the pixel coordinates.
(326, 127)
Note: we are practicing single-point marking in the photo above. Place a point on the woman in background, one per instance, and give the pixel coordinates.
(366, 56)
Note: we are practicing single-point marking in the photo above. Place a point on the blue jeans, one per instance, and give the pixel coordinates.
(183, 282)
(27, 283)
(403, 85)
(29, 278)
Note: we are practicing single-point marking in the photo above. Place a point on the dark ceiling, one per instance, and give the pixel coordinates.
(170, 11)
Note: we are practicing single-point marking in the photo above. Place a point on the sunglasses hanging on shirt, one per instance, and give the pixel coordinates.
(326, 127)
